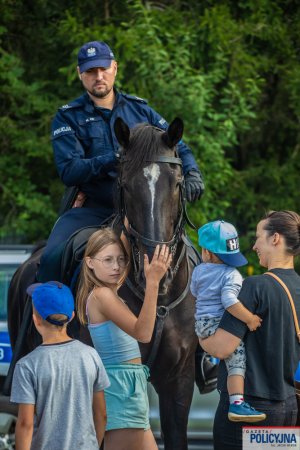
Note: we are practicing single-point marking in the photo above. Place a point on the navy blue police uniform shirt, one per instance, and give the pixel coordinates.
(82, 133)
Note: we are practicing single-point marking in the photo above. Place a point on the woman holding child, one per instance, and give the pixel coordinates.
(273, 350)
(115, 332)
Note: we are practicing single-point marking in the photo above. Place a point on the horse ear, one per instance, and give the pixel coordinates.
(174, 133)
(122, 132)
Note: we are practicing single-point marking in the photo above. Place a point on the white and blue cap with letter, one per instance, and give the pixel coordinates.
(221, 238)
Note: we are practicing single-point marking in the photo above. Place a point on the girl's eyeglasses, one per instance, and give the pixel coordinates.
(110, 261)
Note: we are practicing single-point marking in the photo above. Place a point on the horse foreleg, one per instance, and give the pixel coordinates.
(175, 399)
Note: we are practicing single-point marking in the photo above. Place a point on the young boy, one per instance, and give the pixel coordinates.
(59, 385)
(216, 284)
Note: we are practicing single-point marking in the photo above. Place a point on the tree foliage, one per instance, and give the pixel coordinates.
(229, 68)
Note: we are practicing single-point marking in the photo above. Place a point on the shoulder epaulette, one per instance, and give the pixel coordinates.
(74, 104)
(134, 98)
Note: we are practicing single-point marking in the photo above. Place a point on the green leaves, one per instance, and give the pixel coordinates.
(229, 69)
(25, 154)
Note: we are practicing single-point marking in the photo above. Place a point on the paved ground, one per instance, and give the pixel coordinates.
(194, 445)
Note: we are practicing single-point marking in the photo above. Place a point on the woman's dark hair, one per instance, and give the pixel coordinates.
(286, 223)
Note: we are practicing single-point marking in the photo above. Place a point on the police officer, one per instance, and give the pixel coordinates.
(85, 148)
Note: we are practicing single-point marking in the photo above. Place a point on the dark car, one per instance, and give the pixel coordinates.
(11, 256)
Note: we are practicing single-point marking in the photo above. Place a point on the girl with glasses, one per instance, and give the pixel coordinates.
(115, 332)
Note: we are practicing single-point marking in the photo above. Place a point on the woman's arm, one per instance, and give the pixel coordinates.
(221, 344)
(239, 311)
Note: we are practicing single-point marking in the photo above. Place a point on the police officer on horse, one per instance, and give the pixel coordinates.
(85, 150)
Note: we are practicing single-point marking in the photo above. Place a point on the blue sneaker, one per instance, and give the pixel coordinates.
(244, 413)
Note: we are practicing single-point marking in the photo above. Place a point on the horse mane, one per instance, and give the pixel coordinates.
(144, 145)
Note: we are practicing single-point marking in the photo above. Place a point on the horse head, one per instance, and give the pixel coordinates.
(151, 191)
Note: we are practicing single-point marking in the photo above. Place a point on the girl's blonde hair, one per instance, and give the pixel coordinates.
(87, 279)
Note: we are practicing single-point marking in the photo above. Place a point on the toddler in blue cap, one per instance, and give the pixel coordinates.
(216, 284)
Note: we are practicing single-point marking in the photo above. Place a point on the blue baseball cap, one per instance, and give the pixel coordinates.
(221, 238)
(94, 54)
(52, 298)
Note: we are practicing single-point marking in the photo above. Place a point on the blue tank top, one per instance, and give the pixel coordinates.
(112, 344)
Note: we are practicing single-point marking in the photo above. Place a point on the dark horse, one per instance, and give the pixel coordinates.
(151, 196)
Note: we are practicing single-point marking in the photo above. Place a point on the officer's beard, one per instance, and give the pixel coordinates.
(100, 94)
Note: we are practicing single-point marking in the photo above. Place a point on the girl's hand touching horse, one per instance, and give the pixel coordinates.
(160, 263)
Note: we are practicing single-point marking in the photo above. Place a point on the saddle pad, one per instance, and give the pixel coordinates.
(75, 246)
(73, 252)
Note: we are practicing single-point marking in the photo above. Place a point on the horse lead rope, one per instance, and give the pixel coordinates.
(161, 312)
(291, 301)
(161, 320)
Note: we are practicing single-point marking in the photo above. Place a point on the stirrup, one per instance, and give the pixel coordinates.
(206, 375)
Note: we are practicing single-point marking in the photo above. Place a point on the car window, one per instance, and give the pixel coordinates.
(6, 273)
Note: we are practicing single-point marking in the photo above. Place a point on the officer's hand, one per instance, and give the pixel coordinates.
(108, 162)
(194, 186)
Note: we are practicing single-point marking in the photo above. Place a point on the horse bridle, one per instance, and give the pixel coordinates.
(183, 213)
(134, 236)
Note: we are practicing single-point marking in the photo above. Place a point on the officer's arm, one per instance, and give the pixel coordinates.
(184, 150)
(194, 185)
(73, 167)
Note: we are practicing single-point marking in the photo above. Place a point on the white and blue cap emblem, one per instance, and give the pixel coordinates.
(221, 238)
(94, 54)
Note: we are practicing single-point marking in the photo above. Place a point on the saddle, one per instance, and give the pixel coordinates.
(75, 246)
(74, 250)
(73, 254)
